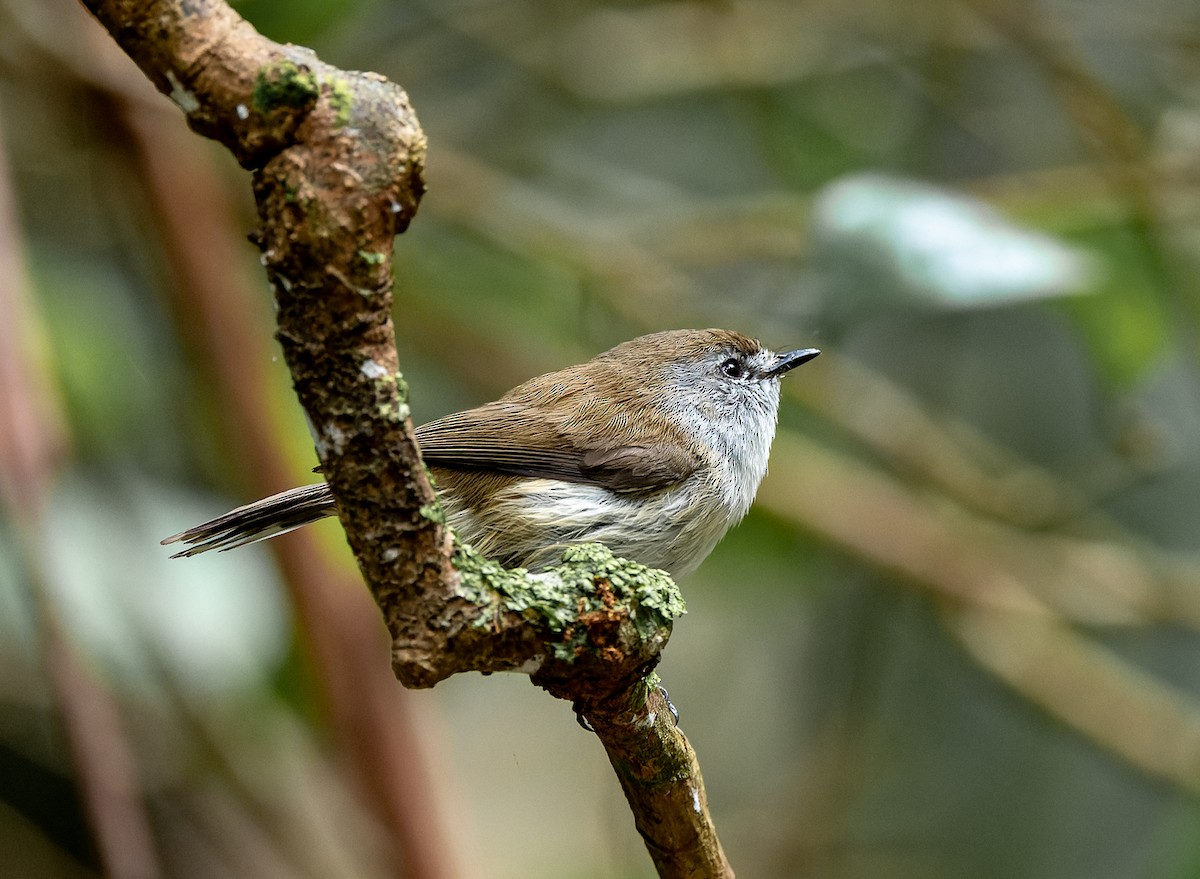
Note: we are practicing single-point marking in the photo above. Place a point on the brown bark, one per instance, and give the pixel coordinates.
(375, 731)
(660, 776)
(336, 159)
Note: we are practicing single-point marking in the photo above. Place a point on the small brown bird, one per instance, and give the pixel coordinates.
(654, 448)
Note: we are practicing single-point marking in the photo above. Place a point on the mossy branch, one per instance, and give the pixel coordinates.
(337, 159)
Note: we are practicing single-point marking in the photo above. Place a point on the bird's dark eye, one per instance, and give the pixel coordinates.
(732, 368)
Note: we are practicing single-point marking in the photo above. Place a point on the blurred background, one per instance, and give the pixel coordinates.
(957, 636)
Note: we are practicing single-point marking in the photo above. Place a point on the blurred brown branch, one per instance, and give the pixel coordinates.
(1011, 595)
(31, 440)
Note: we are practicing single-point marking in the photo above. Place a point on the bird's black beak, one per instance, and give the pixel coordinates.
(789, 360)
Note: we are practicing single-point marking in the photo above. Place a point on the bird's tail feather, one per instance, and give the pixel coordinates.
(269, 517)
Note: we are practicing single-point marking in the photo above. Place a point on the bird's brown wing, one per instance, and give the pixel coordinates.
(518, 440)
(637, 468)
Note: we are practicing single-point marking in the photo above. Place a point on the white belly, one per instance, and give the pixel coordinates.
(530, 522)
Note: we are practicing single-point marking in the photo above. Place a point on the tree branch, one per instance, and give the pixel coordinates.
(661, 779)
(336, 159)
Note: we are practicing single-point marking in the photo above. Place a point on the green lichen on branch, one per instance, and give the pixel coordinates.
(391, 392)
(370, 258)
(341, 99)
(433, 512)
(590, 589)
(285, 84)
